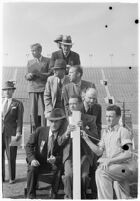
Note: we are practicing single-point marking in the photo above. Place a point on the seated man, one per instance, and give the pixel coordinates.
(93, 108)
(87, 123)
(43, 152)
(114, 166)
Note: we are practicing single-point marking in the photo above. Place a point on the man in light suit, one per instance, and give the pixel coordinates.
(54, 85)
(37, 74)
(86, 124)
(71, 58)
(77, 86)
(12, 122)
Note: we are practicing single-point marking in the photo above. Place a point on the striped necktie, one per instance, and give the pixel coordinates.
(51, 145)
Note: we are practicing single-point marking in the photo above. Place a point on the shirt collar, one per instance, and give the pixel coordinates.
(78, 84)
(66, 55)
(114, 128)
(39, 59)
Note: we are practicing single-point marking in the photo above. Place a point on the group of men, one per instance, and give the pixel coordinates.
(57, 87)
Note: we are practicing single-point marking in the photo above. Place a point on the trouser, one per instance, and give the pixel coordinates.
(115, 177)
(11, 152)
(36, 103)
(68, 177)
(32, 178)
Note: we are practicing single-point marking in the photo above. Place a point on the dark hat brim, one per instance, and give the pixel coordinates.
(5, 88)
(56, 41)
(57, 67)
(63, 43)
(56, 118)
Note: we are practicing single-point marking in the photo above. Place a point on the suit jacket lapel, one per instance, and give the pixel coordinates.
(54, 90)
(9, 108)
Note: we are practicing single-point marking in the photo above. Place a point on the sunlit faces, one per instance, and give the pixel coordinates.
(59, 72)
(8, 93)
(55, 125)
(73, 74)
(36, 51)
(66, 48)
(74, 104)
(91, 97)
(111, 118)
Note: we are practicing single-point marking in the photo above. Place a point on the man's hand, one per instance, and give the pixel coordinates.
(35, 163)
(30, 76)
(70, 129)
(52, 159)
(104, 163)
(80, 124)
(83, 134)
(18, 136)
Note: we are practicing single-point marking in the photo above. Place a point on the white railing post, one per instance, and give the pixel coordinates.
(76, 116)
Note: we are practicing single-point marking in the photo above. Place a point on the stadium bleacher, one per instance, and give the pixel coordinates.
(122, 84)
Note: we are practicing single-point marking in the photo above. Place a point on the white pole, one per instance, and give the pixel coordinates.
(23, 135)
(76, 116)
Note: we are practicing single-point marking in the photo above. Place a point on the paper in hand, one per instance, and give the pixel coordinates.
(14, 142)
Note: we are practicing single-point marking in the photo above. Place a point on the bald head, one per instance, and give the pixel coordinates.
(90, 96)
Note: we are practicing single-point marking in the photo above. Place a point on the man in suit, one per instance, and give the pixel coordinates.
(43, 152)
(53, 88)
(91, 107)
(77, 86)
(58, 41)
(87, 124)
(37, 74)
(71, 58)
(12, 122)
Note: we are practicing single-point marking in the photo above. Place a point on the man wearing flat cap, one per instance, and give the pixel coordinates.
(12, 122)
(71, 58)
(54, 85)
(37, 74)
(43, 152)
(58, 41)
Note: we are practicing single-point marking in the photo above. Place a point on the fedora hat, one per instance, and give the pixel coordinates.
(66, 40)
(8, 85)
(56, 114)
(60, 64)
(58, 38)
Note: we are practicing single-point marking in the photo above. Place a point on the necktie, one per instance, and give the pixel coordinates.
(51, 145)
(5, 108)
(60, 83)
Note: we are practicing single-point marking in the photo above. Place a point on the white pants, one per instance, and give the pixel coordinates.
(115, 177)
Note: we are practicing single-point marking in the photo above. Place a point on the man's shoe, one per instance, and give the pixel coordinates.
(12, 181)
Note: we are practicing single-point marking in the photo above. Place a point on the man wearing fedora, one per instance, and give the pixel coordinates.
(37, 74)
(43, 152)
(12, 122)
(54, 85)
(71, 58)
(58, 41)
